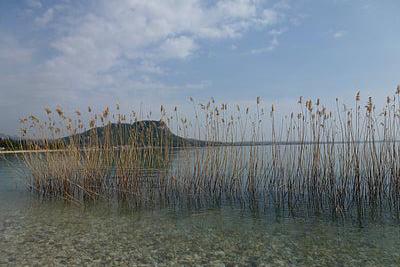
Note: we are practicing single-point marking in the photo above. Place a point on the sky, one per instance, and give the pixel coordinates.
(146, 53)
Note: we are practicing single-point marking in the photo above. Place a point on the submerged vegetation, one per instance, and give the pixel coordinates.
(343, 163)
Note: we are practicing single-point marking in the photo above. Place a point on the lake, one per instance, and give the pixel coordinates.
(35, 231)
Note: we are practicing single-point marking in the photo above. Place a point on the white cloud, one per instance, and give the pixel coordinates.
(270, 47)
(237, 8)
(270, 17)
(12, 52)
(282, 4)
(120, 34)
(34, 3)
(45, 18)
(339, 34)
(113, 49)
(273, 43)
(177, 47)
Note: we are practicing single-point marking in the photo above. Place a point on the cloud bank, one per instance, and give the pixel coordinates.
(117, 49)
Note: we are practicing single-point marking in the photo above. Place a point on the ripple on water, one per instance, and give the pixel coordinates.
(57, 234)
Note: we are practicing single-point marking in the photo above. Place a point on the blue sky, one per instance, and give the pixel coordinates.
(80, 53)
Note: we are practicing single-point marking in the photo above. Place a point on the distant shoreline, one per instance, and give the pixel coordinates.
(214, 145)
(29, 151)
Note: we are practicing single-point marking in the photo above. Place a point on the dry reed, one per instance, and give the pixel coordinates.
(342, 162)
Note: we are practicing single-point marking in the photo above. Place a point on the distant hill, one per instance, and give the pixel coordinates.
(141, 133)
(8, 142)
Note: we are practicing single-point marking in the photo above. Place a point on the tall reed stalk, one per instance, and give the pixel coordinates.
(342, 162)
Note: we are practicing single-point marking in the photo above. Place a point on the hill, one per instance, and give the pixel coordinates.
(8, 142)
(141, 133)
(7, 137)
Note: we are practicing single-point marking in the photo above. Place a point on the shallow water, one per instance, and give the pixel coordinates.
(55, 233)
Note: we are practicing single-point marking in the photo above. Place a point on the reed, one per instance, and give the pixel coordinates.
(341, 162)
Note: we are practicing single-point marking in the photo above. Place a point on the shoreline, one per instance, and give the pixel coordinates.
(269, 143)
(29, 151)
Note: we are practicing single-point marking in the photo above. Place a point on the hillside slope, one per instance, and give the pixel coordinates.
(141, 133)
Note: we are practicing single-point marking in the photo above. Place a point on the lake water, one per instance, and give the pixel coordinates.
(51, 233)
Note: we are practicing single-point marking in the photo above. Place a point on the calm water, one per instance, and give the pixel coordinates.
(54, 233)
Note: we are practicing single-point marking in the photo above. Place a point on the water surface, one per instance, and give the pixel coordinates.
(34, 231)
